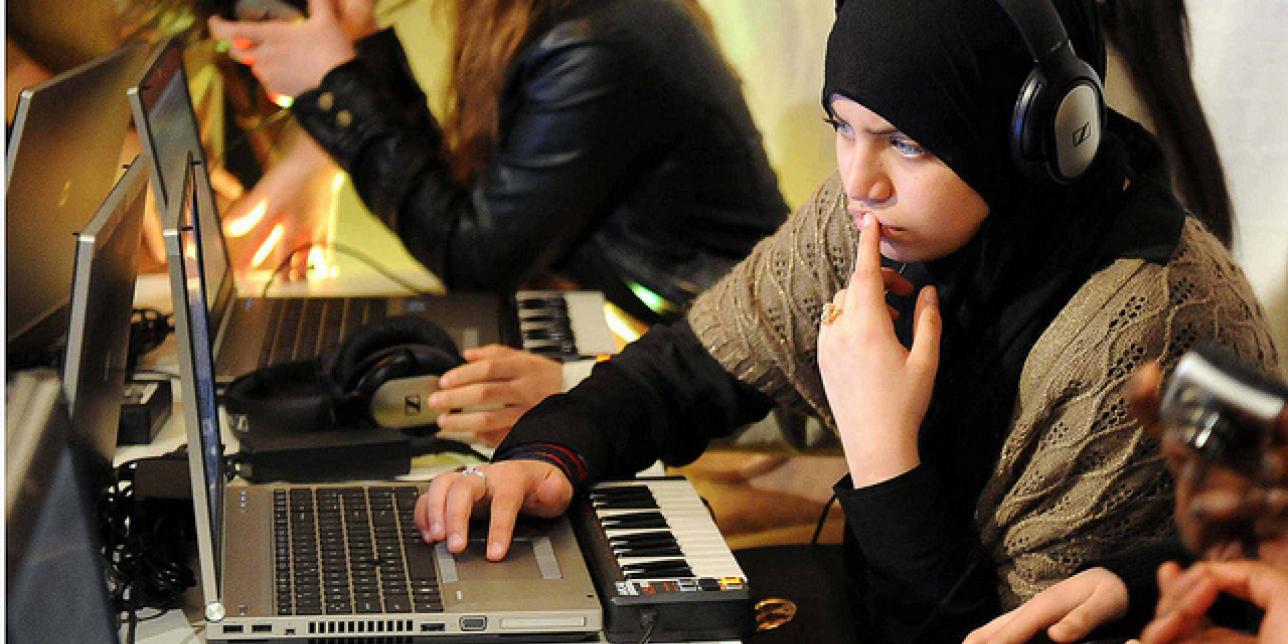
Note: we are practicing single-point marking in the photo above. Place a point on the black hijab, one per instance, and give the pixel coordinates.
(946, 73)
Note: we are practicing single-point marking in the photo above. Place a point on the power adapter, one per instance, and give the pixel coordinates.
(344, 454)
(144, 410)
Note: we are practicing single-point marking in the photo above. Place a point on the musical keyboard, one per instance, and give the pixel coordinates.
(563, 325)
(659, 563)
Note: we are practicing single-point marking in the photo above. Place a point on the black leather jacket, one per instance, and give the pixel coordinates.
(627, 156)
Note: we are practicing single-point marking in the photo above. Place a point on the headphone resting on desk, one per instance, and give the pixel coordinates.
(380, 377)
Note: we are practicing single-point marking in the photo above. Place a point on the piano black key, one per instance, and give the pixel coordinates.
(654, 538)
(626, 503)
(635, 521)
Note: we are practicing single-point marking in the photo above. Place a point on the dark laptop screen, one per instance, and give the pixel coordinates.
(98, 333)
(168, 126)
(62, 157)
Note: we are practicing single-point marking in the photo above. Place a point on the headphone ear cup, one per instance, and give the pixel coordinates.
(355, 352)
(401, 361)
(289, 397)
(1054, 138)
(404, 405)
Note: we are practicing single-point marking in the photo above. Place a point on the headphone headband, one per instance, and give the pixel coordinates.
(1040, 26)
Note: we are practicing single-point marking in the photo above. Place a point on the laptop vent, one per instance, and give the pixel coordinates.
(360, 640)
(363, 626)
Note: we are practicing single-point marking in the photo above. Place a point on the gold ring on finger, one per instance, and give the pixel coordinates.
(830, 313)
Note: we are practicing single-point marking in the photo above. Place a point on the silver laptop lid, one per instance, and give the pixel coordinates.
(168, 133)
(67, 138)
(98, 332)
(182, 223)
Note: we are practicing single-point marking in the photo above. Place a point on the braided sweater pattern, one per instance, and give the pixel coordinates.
(1076, 478)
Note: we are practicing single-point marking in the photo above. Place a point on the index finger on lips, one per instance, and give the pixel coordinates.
(866, 291)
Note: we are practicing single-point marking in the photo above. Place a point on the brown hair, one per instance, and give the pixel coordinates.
(1153, 36)
(488, 35)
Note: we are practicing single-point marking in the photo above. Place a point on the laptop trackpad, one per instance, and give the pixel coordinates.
(529, 559)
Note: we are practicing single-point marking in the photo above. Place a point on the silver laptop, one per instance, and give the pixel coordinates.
(67, 137)
(98, 332)
(270, 331)
(313, 562)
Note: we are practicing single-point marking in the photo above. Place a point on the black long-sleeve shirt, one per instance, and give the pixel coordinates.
(911, 548)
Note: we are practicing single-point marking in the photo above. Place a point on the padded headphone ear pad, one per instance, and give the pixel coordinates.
(289, 397)
(1027, 121)
(356, 353)
(401, 361)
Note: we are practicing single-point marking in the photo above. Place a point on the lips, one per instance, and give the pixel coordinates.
(885, 228)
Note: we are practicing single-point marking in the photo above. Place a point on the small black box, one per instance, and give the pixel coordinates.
(144, 409)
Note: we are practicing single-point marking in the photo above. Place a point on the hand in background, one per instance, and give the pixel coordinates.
(507, 380)
(1210, 498)
(506, 488)
(290, 58)
(878, 390)
(1067, 611)
(1186, 596)
(295, 196)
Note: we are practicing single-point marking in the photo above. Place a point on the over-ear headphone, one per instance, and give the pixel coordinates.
(381, 376)
(1060, 111)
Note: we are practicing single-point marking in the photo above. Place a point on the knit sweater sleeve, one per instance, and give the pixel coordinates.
(760, 321)
(1077, 477)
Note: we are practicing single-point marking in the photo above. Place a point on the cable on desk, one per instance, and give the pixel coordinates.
(822, 519)
(143, 548)
(344, 250)
(648, 621)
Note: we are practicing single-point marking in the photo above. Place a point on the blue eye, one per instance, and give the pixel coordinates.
(906, 147)
(840, 126)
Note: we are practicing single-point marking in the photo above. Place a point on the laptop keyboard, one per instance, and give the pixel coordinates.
(346, 551)
(300, 328)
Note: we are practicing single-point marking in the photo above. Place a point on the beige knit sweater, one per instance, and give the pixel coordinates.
(1077, 478)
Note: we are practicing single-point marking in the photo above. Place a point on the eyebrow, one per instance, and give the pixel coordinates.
(884, 131)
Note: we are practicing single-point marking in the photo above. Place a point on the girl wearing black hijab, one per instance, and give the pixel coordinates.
(989, 448)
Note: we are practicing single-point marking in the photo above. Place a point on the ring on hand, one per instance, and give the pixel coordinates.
(830, 313)
(470, 470)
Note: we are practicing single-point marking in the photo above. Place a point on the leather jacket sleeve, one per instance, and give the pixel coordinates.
(565, 143)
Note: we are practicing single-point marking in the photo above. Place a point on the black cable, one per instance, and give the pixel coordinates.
(648, 620)
(143, 550)
(822, 519)
(345, 250)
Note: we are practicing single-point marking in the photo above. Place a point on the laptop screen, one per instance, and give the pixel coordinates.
(167, 127)
(183, 238)
(98, 333)
(67, 138)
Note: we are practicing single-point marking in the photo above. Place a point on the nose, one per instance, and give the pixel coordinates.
(864, 177)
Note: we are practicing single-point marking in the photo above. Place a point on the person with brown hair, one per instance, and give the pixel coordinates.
(605, 142)
(1151, 38)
